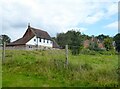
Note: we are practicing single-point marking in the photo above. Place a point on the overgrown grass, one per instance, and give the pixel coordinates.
(0, 68)
(47, 69)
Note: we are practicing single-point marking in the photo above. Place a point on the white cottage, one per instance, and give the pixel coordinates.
(34, 38)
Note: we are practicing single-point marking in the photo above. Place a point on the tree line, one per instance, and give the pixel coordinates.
(75, 40)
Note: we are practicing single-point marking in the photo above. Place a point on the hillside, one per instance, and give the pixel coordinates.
(47, 69)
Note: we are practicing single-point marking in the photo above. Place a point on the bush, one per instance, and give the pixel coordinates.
(98, 52)
(112, 52)
(75, 50)
(88, 52)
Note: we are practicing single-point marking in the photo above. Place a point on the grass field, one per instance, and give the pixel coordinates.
(47, 69)
(0, 70)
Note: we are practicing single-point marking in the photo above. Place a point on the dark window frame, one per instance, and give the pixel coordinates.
(47, 41)
(39, 39)
(35, 40)
(43, 40)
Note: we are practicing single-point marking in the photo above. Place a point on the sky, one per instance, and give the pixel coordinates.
(90, 17)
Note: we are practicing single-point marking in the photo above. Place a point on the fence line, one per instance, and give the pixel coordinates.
(57, 54)
(62, 54)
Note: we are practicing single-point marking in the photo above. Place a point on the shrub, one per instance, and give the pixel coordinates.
(112, 52)
(88, 52)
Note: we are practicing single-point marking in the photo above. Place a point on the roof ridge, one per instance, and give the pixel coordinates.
(33, 31)
(37, 29)
(40, 33)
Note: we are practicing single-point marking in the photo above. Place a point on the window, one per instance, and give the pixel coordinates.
(30, 46)
(34, 39)
(40, 40)
(44, 40)
(47, 41)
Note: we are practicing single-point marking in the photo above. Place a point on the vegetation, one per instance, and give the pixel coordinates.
(4, 38)
(68, 38)
(47, 69)
(75, 43)
(71, 38)
(108, 44)
(90, 67)
(0, 71)
(117, 41)
(102, 37)
(75, 40)
(93, 46)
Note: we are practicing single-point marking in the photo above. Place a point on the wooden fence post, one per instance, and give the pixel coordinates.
(66, 52)
(3, 52)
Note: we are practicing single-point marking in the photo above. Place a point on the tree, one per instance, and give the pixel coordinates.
(108, 44)
(5, 38)
(117, 41)
(93, 46)
(102, 37)
(71, 38)
(85, 37)
(61, 39)
(66, 38)
(75, 43)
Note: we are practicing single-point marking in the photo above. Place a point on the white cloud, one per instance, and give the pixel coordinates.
(53, 15)
(112, 9)
(94, 18)
(113, 25)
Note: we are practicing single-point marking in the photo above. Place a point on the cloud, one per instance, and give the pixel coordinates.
(94, 18)
(113, 25)
(112, 9)
(53, 16)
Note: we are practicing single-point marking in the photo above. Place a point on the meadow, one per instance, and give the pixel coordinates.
(47, 69)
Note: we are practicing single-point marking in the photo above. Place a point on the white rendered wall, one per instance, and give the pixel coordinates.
(32, 42)
(42, 43)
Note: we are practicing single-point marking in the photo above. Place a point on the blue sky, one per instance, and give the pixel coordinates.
(103, 27)
(91, 17)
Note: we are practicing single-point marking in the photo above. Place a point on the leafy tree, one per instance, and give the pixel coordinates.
(71, 38)
(93, 46)
(65, 38)
(76, 43)
(102, 37)
(85, 37)
(5, 38)
(61, 39)
(117, 41)
(108, 44)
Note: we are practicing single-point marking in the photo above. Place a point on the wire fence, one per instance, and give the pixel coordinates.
(9, 55)
(25, 55)
(41, 53)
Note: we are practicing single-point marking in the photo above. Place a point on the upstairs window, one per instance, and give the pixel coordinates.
(34, 39)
